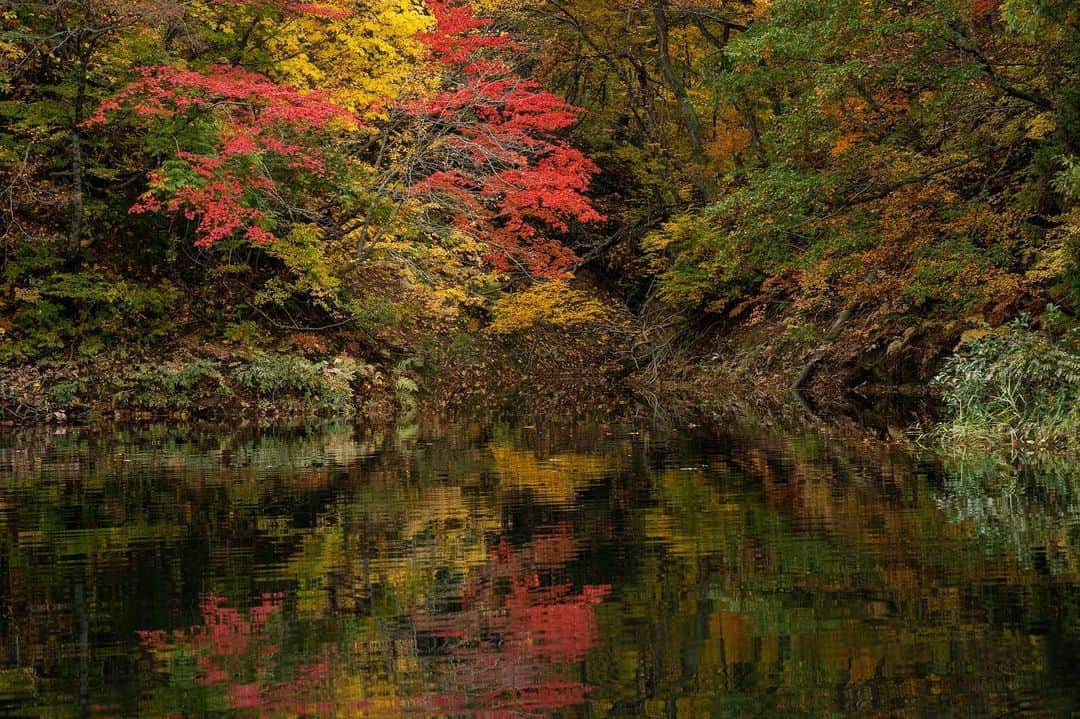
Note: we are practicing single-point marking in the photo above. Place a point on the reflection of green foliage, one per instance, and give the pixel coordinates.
(1024, 506)
(757, 575)
(759, 609)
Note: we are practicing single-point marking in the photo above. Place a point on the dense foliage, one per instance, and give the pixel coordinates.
(1015, 386)
(867, 180)
(775, 186)
(295, 148)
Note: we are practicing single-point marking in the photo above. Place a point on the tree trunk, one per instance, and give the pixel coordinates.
(691, 121)
(674, 81)
(808, 369)
(77, 200)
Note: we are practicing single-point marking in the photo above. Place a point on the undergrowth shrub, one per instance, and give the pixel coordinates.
(324, 385)
(272, 383)
(84, 310)
(162, 386)
(1017, 384)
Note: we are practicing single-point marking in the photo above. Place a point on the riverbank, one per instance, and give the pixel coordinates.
(186, 385)
(957, 382)
(294, 376)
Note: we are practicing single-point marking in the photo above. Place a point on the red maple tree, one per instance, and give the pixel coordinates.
(265, 131)
(497, 166)
(509, 177)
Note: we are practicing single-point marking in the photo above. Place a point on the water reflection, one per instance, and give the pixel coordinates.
(499, 570)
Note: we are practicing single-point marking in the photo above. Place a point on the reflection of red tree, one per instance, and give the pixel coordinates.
(236, 652)
(514, 634)
(508, 649)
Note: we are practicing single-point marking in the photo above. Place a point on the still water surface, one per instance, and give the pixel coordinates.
(499, 570)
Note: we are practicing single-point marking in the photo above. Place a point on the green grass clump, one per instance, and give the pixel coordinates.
(1016, 386)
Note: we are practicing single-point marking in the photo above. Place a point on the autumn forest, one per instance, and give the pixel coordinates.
(277, 207)
(539, 359)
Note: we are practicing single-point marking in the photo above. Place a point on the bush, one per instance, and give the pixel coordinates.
(324, 385)
(161, 386)
(1017, 385)
(272, 383)
(85, 310)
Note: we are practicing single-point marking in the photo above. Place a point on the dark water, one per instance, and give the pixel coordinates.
(491, 570)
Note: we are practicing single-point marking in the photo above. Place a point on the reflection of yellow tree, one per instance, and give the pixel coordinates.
(389, 540)
(397, 542)
(557, 478)
(434, 528)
